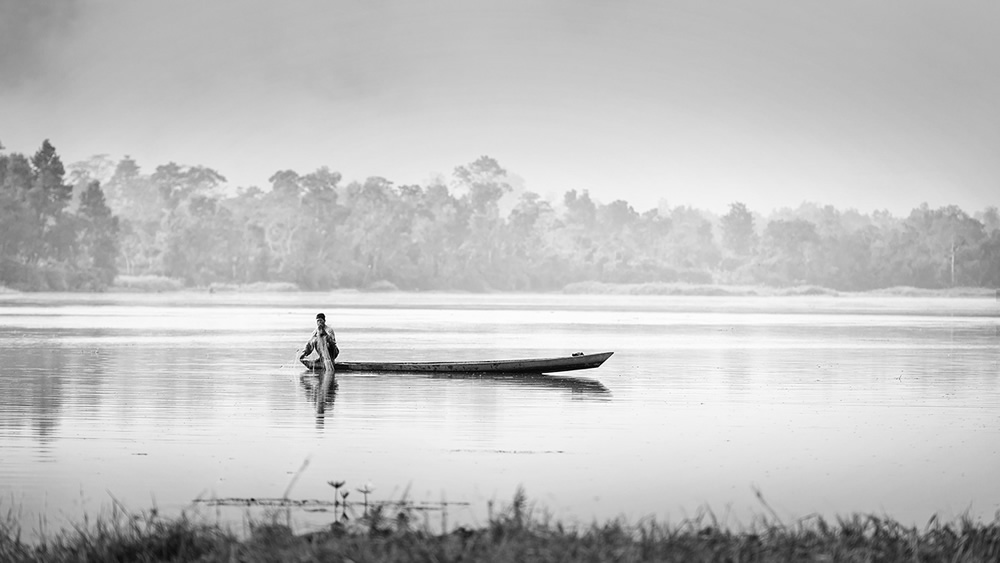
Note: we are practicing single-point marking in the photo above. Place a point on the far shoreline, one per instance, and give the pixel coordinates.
(161, 284)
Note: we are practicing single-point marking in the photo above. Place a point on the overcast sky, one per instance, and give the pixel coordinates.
(858, 104)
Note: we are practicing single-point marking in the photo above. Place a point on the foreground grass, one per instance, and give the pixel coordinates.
(513, 535)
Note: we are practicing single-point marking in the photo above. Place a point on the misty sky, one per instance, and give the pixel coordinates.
(852, 103)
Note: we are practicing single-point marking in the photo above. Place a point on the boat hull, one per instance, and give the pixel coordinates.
(529, 365)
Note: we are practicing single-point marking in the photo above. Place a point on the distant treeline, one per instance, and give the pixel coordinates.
(77, 231)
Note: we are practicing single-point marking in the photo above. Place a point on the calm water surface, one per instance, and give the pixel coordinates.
(824, 405)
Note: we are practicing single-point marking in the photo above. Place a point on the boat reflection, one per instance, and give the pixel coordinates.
(383, 388)
(581, 385)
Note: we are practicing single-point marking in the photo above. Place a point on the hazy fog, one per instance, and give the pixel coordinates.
(855, 104)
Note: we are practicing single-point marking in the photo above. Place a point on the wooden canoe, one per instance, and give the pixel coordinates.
(530, 365)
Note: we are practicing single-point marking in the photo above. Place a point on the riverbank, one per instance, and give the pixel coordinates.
(516, 534)
(694, 290)
(161, 284)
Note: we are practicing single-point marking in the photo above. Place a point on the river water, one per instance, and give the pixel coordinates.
(744, 407)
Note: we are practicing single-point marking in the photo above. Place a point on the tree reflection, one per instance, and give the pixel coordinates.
(31, 391)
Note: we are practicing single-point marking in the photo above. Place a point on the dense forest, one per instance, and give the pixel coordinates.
(78, 229)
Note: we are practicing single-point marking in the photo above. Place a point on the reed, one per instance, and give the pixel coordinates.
(512, 534)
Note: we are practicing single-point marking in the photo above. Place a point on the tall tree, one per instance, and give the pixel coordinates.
(98, 236)
(440, 225)
(990, 258)
(738, 234)
(941, 247)
(692, 244)
(579, 240)
(177, 183)
(134, 198)
(47, 198)
(527, 249)
(484, 182)
(378, 232)
(788, 251)
(990, 218)
(19, 230)
(318, 244)
(615, 254)
(197, 242)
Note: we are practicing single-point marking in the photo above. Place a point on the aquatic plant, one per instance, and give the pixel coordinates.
(336, 488)
(366, 490)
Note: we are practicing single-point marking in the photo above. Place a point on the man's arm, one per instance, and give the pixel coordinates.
(309, 345)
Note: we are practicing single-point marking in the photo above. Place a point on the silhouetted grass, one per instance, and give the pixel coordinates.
(512, 535)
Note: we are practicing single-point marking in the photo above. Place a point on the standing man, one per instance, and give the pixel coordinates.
(324, 332)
